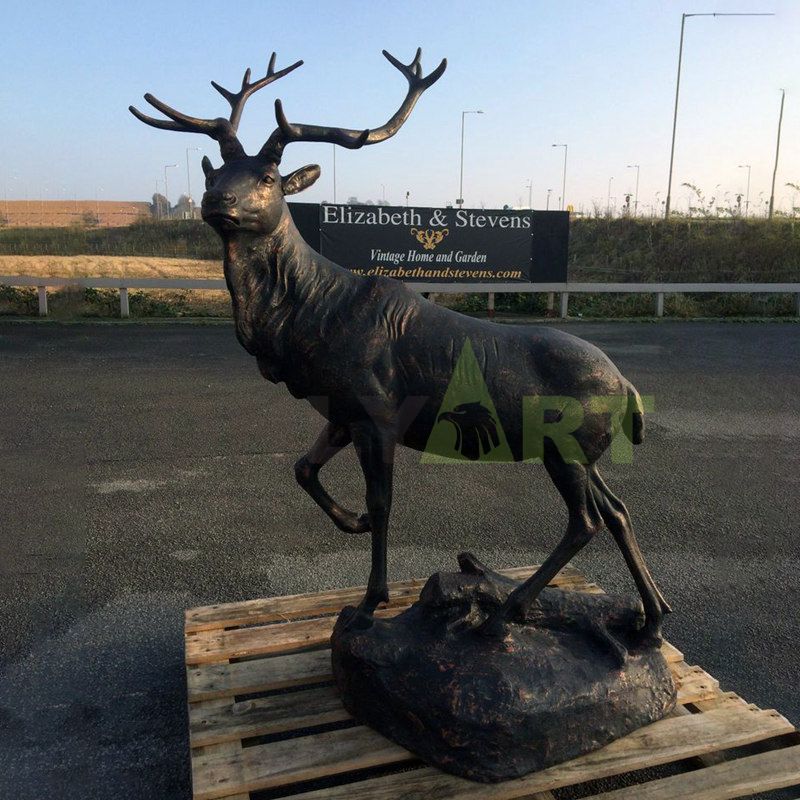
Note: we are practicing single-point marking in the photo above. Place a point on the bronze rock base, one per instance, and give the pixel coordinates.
(568, 680)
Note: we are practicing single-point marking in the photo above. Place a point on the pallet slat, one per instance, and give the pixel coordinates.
(292, 761)
(287, 762)
(272, 609)
(731, 779)
(208, 681)
(222, 720)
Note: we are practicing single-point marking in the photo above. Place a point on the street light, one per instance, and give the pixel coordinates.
(636, 192)
(460, 200)
(777, 153)
(678, 89)
(563, 175)
(188, 179)
(529, 187)
(608, 200)
(547, 204)
(166, 188)
(747, 194)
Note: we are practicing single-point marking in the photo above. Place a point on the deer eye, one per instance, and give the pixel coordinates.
(268, 180)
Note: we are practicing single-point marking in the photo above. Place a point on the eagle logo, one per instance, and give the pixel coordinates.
(476, 429)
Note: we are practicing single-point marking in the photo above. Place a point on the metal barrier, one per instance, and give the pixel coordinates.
(658, 290)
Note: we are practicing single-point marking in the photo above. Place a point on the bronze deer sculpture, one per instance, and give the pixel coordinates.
(375, 358)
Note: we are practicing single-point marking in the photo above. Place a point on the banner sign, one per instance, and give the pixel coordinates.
(441, 245)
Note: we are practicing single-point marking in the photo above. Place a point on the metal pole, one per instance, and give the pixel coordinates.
(608, 199)
(674, 121)
(636, 192)
(747, 194)
(564, 181)
(777, 153)
(678, 89)
(530, 194)
(334, 174)
(547, 205)
(188, 179)
(460, 200)
(166, 188)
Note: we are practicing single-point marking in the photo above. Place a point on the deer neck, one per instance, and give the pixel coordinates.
(270, 277)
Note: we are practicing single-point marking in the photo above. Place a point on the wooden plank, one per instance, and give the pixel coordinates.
(216, 721)
(212, 646)
(291, 761)
(220, 750)
(764, 772)
(208, 681)
(694, 684)
(670, 739)
(272, 609)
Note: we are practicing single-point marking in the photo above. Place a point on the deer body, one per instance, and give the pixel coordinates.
(340, 339)
(376, 359)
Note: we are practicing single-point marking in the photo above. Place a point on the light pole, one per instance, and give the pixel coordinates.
(529, 187)
(777, 153)
(188, 179)
(383, 192)
(636, 191)
(460, 200)
(334, 174)
(608, 199)
(547, 203)
(678, 89)
(747, 193)
(166, 188)
(563, 175)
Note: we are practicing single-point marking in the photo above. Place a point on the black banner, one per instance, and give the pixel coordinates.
(440, 245)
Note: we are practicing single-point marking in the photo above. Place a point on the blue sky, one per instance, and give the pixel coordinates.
(597, 75)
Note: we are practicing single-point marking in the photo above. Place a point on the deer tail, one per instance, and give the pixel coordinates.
(634, 417)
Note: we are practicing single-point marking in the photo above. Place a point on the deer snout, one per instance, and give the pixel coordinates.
(225, 199)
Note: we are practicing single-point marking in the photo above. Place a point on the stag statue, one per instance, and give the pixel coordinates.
(375, 358)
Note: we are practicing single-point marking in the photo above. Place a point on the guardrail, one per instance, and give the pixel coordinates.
(658, 290)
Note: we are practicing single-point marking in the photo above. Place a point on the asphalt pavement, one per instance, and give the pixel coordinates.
(147, 468)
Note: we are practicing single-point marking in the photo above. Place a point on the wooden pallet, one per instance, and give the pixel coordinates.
(251, 738)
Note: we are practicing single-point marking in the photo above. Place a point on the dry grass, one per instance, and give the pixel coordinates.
(93, 266)
(144, 302)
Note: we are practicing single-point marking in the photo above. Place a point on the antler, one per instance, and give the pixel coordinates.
(288, 132)
(221, 129)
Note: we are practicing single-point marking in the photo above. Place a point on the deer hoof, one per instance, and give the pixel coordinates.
(350, 523)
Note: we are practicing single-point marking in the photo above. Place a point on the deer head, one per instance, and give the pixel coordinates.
(247, 192)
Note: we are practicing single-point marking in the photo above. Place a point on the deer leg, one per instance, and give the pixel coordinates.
(616, 517)
(572, 482)
(332, 440)
(375, 449)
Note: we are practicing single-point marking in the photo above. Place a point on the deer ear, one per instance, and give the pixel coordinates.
(300, 179)
(206, 165)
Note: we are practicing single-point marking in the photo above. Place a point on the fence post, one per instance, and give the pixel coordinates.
(124, 307)
(551, 301)
(42, 290)
(659, 304)
(490, 304)
(564, 304)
